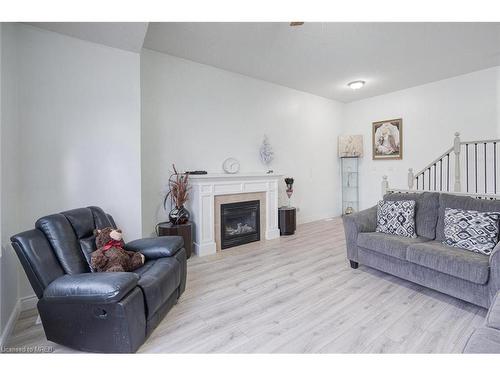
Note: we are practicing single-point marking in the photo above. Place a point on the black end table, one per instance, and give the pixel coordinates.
(287, 221)
(184, 230)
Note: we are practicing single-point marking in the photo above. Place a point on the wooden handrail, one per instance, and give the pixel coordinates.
(480, 142)
(473, 195)
(449, 151)
(445, 172)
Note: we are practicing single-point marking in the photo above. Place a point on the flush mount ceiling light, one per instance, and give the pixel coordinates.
(355, 85)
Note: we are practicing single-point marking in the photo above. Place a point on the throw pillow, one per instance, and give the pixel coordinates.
(396, 217)
(471, 230)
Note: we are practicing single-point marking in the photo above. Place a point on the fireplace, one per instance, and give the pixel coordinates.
(240, 223)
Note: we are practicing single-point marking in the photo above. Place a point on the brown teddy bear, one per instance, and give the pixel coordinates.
(110, 255)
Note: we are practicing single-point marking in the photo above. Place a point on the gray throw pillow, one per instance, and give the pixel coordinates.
(471, 230)
(396, 217)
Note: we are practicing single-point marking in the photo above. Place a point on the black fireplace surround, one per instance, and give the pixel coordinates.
(240, 223)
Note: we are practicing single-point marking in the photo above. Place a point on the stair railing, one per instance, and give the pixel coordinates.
(466, 168)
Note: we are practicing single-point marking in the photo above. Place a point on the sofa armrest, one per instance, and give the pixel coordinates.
(362, 221)
(494, 282)
(90, 288)
(493, 317)
(495, 255)
(157, 247)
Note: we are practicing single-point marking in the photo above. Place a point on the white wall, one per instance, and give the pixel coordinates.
(80, 127)
(196, 116)
(76, 112)
(9, 197)
(431, 114)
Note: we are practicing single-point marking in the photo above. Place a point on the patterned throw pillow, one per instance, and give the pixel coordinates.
(396, 217)
(471, 230)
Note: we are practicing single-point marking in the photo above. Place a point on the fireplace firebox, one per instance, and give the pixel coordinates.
(240, 223)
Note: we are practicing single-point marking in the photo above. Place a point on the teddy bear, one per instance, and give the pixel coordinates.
(110, 255)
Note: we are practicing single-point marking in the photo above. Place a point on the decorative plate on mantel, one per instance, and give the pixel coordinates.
(231, 166)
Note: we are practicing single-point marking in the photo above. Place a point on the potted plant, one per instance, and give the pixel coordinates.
(178, 192)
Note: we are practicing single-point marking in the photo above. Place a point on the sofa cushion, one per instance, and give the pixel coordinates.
(426, 211)
(158, 279)
(396, 217)
(471, 230)
(456, 262)
(463, 203)
(484, 340)
(387, 244)
(62, 238)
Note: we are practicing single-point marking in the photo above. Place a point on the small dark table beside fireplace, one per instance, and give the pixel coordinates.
(287, 221)
(184, 230)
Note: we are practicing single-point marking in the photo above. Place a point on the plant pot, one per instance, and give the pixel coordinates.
(179, 215)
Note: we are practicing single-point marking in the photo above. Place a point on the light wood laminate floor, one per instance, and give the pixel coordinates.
(297, 294)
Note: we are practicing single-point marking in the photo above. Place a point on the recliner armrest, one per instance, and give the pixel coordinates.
(157, 247)
(98, 287)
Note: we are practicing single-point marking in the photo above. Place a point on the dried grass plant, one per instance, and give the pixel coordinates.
(178, 186)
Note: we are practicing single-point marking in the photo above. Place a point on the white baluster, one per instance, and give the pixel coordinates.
(456, 150)
(411, 178)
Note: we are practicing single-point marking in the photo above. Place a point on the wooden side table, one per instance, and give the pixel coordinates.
(184, 230)
(287, 220)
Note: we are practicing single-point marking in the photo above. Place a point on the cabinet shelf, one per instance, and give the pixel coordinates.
(350, 185)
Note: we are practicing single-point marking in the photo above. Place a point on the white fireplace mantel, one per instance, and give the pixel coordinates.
(201, 204)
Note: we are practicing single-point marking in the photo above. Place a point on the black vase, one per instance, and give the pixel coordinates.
(178, 215)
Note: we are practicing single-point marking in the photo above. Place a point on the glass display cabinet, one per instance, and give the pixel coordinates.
(350, 185)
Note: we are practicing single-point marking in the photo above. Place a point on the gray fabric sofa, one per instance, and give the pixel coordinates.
(486, 339)
(425, 260)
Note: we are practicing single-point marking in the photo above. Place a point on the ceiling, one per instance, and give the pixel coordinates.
(124, 35)
(319, 58)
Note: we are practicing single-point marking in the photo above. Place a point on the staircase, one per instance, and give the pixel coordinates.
(466, 168)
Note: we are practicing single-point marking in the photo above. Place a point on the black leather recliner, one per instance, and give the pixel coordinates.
(98, 312)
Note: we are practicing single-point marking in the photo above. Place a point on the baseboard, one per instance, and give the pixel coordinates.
(311, 218)
(22, 304)
(28, 302)
(11, 323)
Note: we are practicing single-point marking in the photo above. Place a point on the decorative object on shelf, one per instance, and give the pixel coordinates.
(287, 220)
(231, 166)
(196, 172)
(349, 174)
(350, 145)
(350, 188)
(178, 192)
(387, 139)
(179, 215)
(289, 188)
(266, 153)
(350, 150)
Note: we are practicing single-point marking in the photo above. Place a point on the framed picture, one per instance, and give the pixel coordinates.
(350, 146)
(387, 139)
